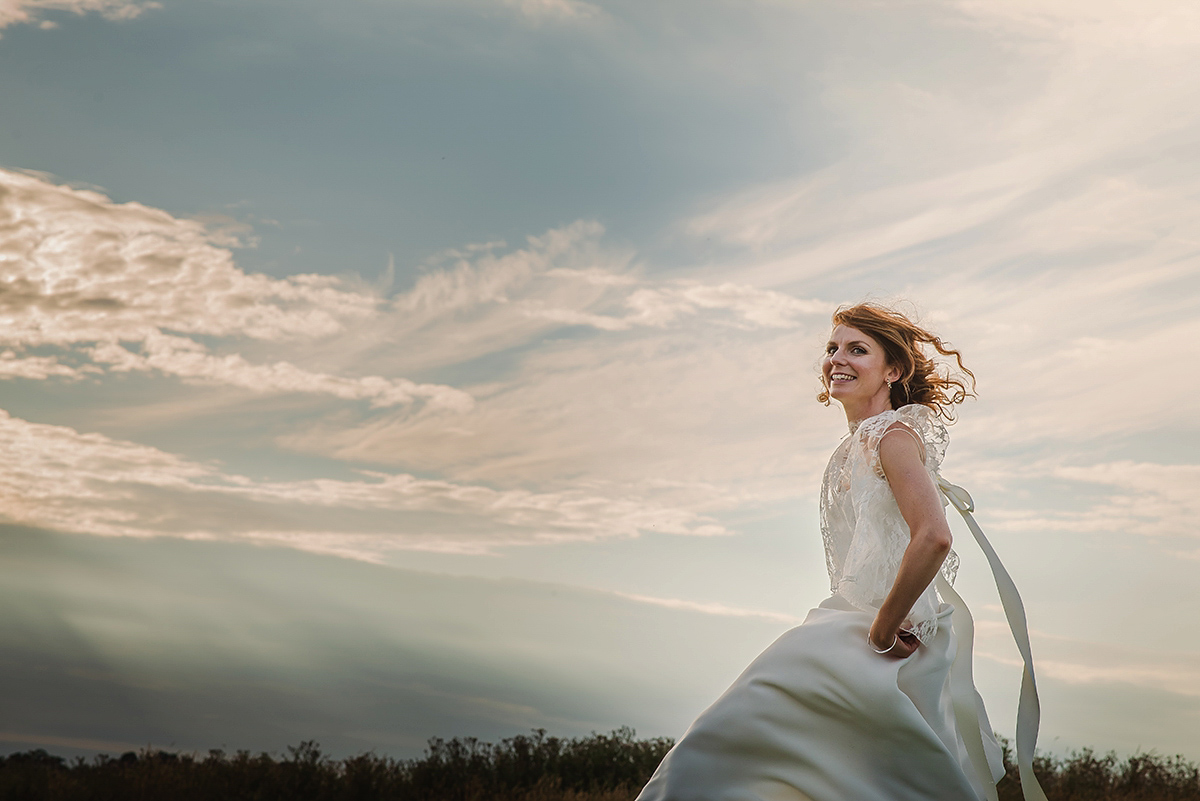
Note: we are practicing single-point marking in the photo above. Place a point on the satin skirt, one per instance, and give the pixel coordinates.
(819, 716)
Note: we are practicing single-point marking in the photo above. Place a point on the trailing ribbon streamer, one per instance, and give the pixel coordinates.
(961, 682)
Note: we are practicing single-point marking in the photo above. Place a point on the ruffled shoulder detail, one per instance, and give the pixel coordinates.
(921, 419)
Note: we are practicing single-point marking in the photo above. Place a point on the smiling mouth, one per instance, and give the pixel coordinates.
(841, 377)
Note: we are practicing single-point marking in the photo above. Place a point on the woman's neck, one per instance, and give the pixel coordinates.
(856, 413)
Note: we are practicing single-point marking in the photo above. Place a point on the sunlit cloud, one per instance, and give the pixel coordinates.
(37, 367)
(78, 267)
(1044, 233)
(121, 288)
(120, 284)
(188, 359)
(711, 418)
(62, 479)
(482, 299)
(13, 12)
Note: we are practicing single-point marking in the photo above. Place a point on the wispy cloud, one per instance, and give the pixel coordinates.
(1046, 232)
(121, 284)
(120, 288)
(1151, 500)
(1079, 661)
(557, 11)
(13, 12)
(488, 298)
(62, 479)
(190, 360)
(708, 608)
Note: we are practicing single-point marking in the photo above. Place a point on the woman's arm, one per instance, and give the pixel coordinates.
(921, 507)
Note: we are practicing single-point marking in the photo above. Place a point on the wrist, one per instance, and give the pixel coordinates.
(880, 637)
(877, 649)
(884, 638)
(889, 618)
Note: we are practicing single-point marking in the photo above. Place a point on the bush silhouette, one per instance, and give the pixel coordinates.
(527, 767)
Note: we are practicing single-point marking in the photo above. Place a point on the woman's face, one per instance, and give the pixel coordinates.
(854, 367)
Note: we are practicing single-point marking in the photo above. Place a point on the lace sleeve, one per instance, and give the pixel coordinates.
(923, 422)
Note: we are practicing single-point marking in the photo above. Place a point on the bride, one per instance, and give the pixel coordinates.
(871, 697)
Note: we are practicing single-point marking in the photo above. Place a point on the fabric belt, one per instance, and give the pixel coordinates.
(962, 684)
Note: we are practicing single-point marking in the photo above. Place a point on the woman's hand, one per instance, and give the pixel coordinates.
(906, 643)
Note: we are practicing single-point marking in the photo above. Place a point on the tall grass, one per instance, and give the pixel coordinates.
(533, 767)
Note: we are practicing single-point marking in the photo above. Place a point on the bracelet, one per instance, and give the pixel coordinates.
(895, 640)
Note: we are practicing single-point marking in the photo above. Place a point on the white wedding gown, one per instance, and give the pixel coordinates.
(819, 716)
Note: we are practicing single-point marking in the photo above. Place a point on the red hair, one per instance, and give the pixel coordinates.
(902, 341)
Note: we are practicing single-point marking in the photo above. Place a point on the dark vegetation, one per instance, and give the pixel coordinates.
(602, 767)
(1086, 777)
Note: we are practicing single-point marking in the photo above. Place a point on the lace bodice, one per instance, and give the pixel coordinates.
(865, 535)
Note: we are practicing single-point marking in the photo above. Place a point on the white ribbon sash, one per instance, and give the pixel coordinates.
(962, 684)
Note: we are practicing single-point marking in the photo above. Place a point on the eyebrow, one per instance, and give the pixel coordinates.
(852, 342)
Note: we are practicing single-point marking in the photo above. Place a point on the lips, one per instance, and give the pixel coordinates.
(842, 377)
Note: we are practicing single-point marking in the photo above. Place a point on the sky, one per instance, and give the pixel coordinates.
(393, 369)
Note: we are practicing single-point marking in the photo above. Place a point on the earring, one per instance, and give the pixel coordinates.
(889, 383)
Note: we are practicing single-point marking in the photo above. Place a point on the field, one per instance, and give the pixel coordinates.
(535, 767)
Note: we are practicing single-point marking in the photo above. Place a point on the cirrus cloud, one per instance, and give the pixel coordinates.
(57, 477)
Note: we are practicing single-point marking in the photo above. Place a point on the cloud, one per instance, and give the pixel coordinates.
(670, 302)
(1022, 184)
(704, 418)
(205, 645)
(188, 359)
(78, 267)
(488, 299)
(1042, 228)
(130, 288)
(1153, 500)
(112, 288)
(87, 275)
(570, 266)
(557, 11)
(1109, 22)
(36, 367)
(59, 478)
(13, 12)
(706, 608)
(1080, 661)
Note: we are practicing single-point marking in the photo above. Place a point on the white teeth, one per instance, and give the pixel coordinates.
(842, 377)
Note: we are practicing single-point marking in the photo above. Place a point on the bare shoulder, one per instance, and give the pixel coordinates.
(900, 447)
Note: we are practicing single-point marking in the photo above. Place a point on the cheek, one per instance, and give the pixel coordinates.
(869, 364)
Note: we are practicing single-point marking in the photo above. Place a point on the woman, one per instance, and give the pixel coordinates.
(866, 700)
